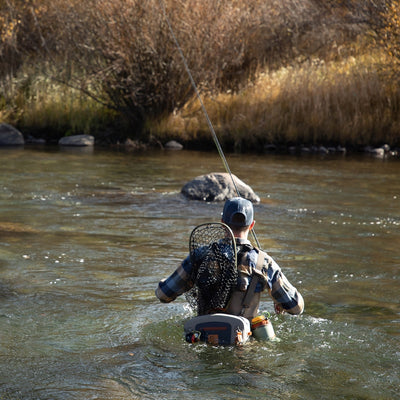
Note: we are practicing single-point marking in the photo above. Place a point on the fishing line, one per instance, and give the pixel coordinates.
(210, 125)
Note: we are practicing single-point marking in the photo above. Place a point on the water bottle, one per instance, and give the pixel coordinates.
(262, 328)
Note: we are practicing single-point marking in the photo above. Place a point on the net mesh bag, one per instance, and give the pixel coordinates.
(214, 272)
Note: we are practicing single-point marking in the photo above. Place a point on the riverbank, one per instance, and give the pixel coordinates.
(10, 137)
(334, 104)
(316, 107)
(347, 103)
(320, 76)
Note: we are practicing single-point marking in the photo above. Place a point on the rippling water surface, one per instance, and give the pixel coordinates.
(86, 236)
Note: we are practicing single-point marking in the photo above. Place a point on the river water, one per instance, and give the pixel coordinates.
(85, 236)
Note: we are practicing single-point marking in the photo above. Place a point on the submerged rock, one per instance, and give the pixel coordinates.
(217, 186)
(32, 140)
(77, 140)
(10, 136)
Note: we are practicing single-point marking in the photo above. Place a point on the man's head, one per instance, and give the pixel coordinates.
(238, 214)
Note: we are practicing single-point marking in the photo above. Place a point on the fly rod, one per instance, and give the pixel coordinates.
(210, 125)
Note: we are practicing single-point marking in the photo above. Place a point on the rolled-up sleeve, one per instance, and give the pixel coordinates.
(176, 284)
(282, 291)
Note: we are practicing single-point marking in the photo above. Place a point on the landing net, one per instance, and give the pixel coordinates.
(213, 257)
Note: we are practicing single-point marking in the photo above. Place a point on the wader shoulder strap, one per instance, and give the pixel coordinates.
(255, 277)
(260, 259)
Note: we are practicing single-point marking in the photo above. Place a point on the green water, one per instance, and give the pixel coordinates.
(86, 236)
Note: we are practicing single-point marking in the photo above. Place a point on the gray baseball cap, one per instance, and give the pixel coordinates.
(238, 205)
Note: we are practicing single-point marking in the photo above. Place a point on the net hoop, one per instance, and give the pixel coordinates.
(212, 249)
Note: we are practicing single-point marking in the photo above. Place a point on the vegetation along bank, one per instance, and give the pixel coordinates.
(272, 73)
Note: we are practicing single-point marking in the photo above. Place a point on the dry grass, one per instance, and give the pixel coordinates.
(38, 104)
(274, 71)
(336, 102)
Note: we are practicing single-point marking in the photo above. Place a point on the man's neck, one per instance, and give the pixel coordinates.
(241, 234)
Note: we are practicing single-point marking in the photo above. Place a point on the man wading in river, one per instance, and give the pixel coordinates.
(251, 264)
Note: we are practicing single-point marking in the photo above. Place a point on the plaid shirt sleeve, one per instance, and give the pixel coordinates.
(281, 290)
(176, 284)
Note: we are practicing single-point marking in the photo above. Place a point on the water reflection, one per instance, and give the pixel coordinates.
(86, 237)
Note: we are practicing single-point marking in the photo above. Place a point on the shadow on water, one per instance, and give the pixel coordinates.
(85, 238)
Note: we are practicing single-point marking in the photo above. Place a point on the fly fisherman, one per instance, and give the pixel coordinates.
(252, 264)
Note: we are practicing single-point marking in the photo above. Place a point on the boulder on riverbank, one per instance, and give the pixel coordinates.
(217, 187)
(173, 145)
(77, 140)
(10, 136)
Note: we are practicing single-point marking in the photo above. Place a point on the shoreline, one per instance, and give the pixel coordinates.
(12, 137)
(382, 152)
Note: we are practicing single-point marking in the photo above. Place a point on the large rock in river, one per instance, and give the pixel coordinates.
(10, 136)
(217, 186)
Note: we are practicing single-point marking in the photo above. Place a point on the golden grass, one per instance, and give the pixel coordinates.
(37, 102)
(336, 102)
